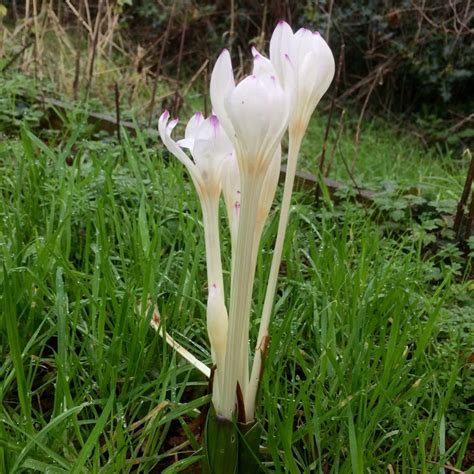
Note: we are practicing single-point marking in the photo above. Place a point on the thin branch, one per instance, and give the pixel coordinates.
(336, 143)
(159, 63)
(16, 56)
(94, 49)
(464, 197)
(196, 75)
(331, 110)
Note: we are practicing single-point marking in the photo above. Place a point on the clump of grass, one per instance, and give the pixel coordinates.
(368, 364)
(386, 158)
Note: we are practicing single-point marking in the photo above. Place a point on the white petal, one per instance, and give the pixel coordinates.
(304, 42)
(220, 141)
(211, 147)
(222, 83)
(186, 143)
(326, 65)
(316, 72)
(193, 125)
(258, 109)
(165, 130)
(247, 107)
(280, 45)
(262, 65)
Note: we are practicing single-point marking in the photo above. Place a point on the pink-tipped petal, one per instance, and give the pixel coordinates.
(165, 129)
(262, 65)
(280, 44)
(255, 52)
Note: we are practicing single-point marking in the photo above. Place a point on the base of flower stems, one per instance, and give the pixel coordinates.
(230, 447)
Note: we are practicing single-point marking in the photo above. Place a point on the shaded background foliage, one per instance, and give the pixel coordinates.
(399, 57)
(404, 54)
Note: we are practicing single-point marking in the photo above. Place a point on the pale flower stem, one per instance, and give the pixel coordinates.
(251, 393)
(236, 360)
(210, 217)
(210, 212)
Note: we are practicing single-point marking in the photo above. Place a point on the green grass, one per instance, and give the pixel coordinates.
(368, 365)
(386, 159)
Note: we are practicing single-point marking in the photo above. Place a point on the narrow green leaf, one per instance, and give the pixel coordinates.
(91, 442)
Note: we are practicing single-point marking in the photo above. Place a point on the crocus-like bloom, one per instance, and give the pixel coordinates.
(245, 162)
(254, 114)
(305, 67)
(210, 149)
(209, 146)
(312, 68)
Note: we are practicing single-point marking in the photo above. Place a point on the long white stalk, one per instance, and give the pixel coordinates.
(236, 360)
(216, 311)
(210, 215)
(295, 138)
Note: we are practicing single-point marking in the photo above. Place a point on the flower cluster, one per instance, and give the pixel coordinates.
(237, 152)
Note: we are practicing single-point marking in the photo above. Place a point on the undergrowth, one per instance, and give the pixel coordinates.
(368, 368)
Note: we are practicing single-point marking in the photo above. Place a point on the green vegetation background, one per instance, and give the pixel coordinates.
(370, 364)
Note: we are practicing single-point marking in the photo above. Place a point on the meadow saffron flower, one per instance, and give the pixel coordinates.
(305, 68)
(311, 72)
(208, 145)
(210, 149)
(237, 151)
(255, 115)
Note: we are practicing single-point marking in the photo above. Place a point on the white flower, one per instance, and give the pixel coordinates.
(312, 68)
(254, 114)
(209, 147)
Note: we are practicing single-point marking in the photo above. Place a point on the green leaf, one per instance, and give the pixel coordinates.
(249, 447)
(143, 226)
(91, 442)
(221, 444)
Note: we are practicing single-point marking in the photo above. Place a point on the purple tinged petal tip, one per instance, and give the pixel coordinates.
(214, 121)
(255, 52)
